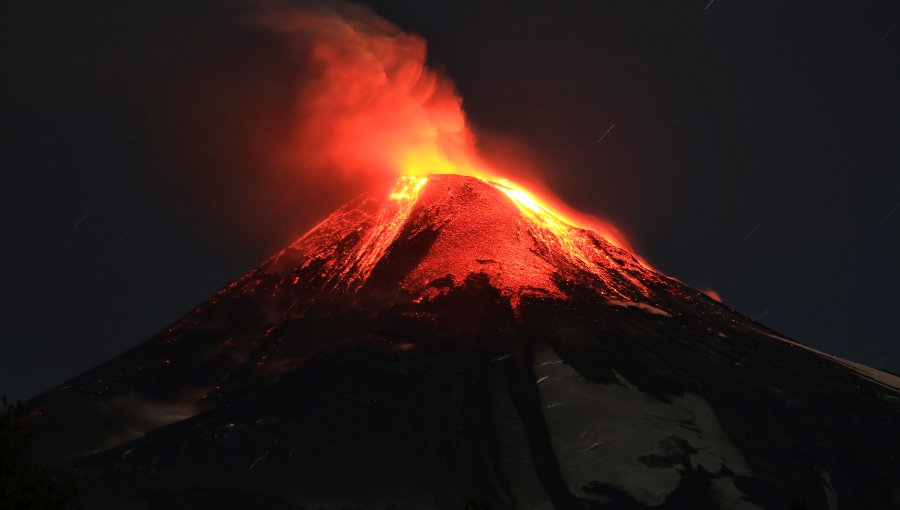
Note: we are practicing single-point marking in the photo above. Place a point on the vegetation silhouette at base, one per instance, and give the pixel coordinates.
(477, 504)
(23, 484)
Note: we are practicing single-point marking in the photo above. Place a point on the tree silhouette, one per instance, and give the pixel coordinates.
(23, 484)
(477, 504)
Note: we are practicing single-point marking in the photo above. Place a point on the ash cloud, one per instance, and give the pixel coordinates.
(370, 105)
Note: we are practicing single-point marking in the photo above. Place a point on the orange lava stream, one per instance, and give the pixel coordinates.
(390, 221)
(555, 229)
(551, 228)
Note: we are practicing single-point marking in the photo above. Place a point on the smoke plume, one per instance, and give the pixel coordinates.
(371, 106)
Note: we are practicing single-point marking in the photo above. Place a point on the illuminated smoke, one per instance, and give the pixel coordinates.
(371, 107)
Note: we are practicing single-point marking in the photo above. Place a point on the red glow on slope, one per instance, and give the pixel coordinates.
(389, 223)
(374, 109)
(712, 294)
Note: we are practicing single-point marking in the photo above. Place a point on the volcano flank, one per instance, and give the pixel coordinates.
(450, 339)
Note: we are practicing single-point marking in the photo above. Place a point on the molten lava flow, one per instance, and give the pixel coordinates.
(408, 188)
(390, 221)
(551, 228)
(554, 230)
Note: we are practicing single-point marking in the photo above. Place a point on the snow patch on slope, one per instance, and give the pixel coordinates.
(880, 377)
(640, 306)
(634, 442)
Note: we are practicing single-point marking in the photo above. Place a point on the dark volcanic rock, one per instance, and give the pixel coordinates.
(448, 343)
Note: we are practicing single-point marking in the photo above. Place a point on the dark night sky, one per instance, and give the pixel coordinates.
(756, 151)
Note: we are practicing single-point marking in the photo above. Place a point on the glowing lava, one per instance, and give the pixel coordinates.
(391, 219)
(552, 226)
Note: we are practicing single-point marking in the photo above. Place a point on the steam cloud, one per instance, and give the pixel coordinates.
(370, 103)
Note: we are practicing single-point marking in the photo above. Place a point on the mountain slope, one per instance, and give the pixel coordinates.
(451, 338)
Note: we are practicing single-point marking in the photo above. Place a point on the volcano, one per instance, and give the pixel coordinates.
(449, 341)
